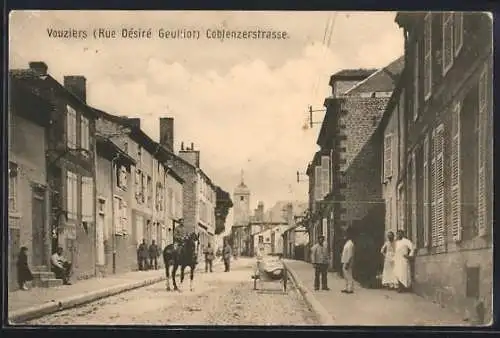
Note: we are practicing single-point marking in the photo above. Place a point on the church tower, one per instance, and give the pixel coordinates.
(241, 200)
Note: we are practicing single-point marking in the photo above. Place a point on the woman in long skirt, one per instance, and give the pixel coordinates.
(388, 250)
(23, 271)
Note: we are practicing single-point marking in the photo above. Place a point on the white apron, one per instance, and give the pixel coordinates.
(402, 270)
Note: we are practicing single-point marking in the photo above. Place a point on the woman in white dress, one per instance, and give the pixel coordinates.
(388, 249)
(403, 254)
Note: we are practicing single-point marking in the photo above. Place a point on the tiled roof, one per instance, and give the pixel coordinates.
(360, 72)
(383, 80)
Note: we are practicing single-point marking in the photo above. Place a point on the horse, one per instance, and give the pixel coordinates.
(184, 257)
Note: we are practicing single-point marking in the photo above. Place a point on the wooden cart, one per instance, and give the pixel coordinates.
(270, 271)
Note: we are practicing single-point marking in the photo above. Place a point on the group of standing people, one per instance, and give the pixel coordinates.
(320, 258)
(147, 257)
(398, 252)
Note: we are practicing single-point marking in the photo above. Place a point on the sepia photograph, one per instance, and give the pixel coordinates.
(268, 168)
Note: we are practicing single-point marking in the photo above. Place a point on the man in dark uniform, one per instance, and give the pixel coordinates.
(179, 234)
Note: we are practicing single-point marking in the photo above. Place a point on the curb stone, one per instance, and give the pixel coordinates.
(324, 316)
(38, 311)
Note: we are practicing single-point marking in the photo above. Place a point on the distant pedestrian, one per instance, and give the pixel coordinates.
(227, 253)
(61, 266)
(209, 257)
(154, 252)
(347, 260)
(388, 249)
(320, 260)
(142, 256)
(23, 271)
(404, 252)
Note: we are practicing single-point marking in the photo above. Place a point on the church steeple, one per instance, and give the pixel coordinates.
(242, 183)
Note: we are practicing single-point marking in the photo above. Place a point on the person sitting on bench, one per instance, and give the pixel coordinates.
(60, 266)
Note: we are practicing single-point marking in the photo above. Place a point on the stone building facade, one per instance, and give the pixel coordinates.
(449, 167)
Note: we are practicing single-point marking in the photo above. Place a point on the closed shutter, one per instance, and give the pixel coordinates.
(416, 81)
(317, 183)
(427, 55)
(87, 199)
(426, 192)
(448, 51)
(387, 156)
(325, 175)
(481, 189)
(438, 187)
(456, 200)
(413, 202)
(125, 223)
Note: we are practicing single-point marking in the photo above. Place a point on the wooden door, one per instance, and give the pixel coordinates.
(38, 226)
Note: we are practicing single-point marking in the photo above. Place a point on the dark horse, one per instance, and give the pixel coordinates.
(184, 256)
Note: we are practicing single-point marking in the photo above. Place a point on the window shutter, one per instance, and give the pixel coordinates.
(388, 214)
(325, 177)
(317, 182)
(427, 55)
(416, 81)
(440, 221)
(125, 223)
(448, 50)
(458, 31)
(483, 118)
(426, 191)
(87, 199)
(456, 200)
(413, 203)
(434, 193)
(388, 156)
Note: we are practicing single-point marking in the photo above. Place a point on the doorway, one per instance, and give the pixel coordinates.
(39, 256)
(101, 218)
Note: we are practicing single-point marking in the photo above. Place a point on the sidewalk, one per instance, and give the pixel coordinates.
(374, 307)
(26, 305)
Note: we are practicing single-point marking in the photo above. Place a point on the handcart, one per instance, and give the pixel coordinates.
(270, 269)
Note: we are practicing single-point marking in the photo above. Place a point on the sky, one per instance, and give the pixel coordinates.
(243, 103)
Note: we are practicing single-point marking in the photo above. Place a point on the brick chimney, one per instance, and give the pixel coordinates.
(167, 132)
(39, 67)
(190, 155)
(77, 84)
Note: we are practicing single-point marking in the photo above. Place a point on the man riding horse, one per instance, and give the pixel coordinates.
(180, 236)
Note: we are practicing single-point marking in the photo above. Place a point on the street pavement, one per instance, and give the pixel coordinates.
(40, 301)
(218, 298)
(373, 307)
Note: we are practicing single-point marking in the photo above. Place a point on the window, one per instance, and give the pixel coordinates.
(482, 144)
(456, 168)
(242, 198)
(401, 208)
(325, 175)
(427, 55)
(159, 197)
(101, 206)
(124, 217)
(413, 205)
(85, 133)
(13, 186)
(118, 214)
(317, 183)
(171, 204)
(388, 214)
(447, 41)
(87, 192)
(416, 81)
(150, 191)
(261, 239)
(437, 176)
(125, 147)
(458, 31)
(72, 195)
(387, 156)
(426, 190)
(139, 156)
(71, 127)
(138, 188)
(143, 188)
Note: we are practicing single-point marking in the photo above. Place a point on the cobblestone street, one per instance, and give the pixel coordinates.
(218, 298)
